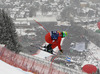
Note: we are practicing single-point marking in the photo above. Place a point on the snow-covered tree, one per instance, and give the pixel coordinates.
(8, 35)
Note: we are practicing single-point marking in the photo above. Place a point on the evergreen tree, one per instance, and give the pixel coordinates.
(8, 35)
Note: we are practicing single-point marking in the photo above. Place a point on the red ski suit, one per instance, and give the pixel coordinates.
(53, 42)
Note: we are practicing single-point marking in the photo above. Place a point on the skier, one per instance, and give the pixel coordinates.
(54, 39)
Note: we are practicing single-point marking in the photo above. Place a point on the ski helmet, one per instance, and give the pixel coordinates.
(64, 34)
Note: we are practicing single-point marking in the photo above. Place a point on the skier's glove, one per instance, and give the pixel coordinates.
(61, 51)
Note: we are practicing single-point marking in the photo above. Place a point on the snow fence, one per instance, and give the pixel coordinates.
(33, 64)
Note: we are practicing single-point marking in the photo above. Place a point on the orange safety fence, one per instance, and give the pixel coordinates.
(27, 64)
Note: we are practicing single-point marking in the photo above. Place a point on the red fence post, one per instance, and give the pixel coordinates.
(3, 50)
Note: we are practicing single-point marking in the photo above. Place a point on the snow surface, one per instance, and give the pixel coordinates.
(94, 50)
(94, 58)
(8, 69)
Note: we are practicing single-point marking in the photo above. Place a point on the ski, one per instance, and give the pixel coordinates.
(43, 48)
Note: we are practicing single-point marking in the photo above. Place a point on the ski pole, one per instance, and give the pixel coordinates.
(41, 25)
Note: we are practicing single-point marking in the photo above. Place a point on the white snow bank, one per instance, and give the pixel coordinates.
(8, 69)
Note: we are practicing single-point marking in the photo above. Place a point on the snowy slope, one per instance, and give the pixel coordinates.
(8, 69)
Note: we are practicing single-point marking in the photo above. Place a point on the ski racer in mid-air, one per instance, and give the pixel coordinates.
(54, 40)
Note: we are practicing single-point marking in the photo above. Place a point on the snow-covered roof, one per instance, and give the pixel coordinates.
(44, 19)
(39, 19)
